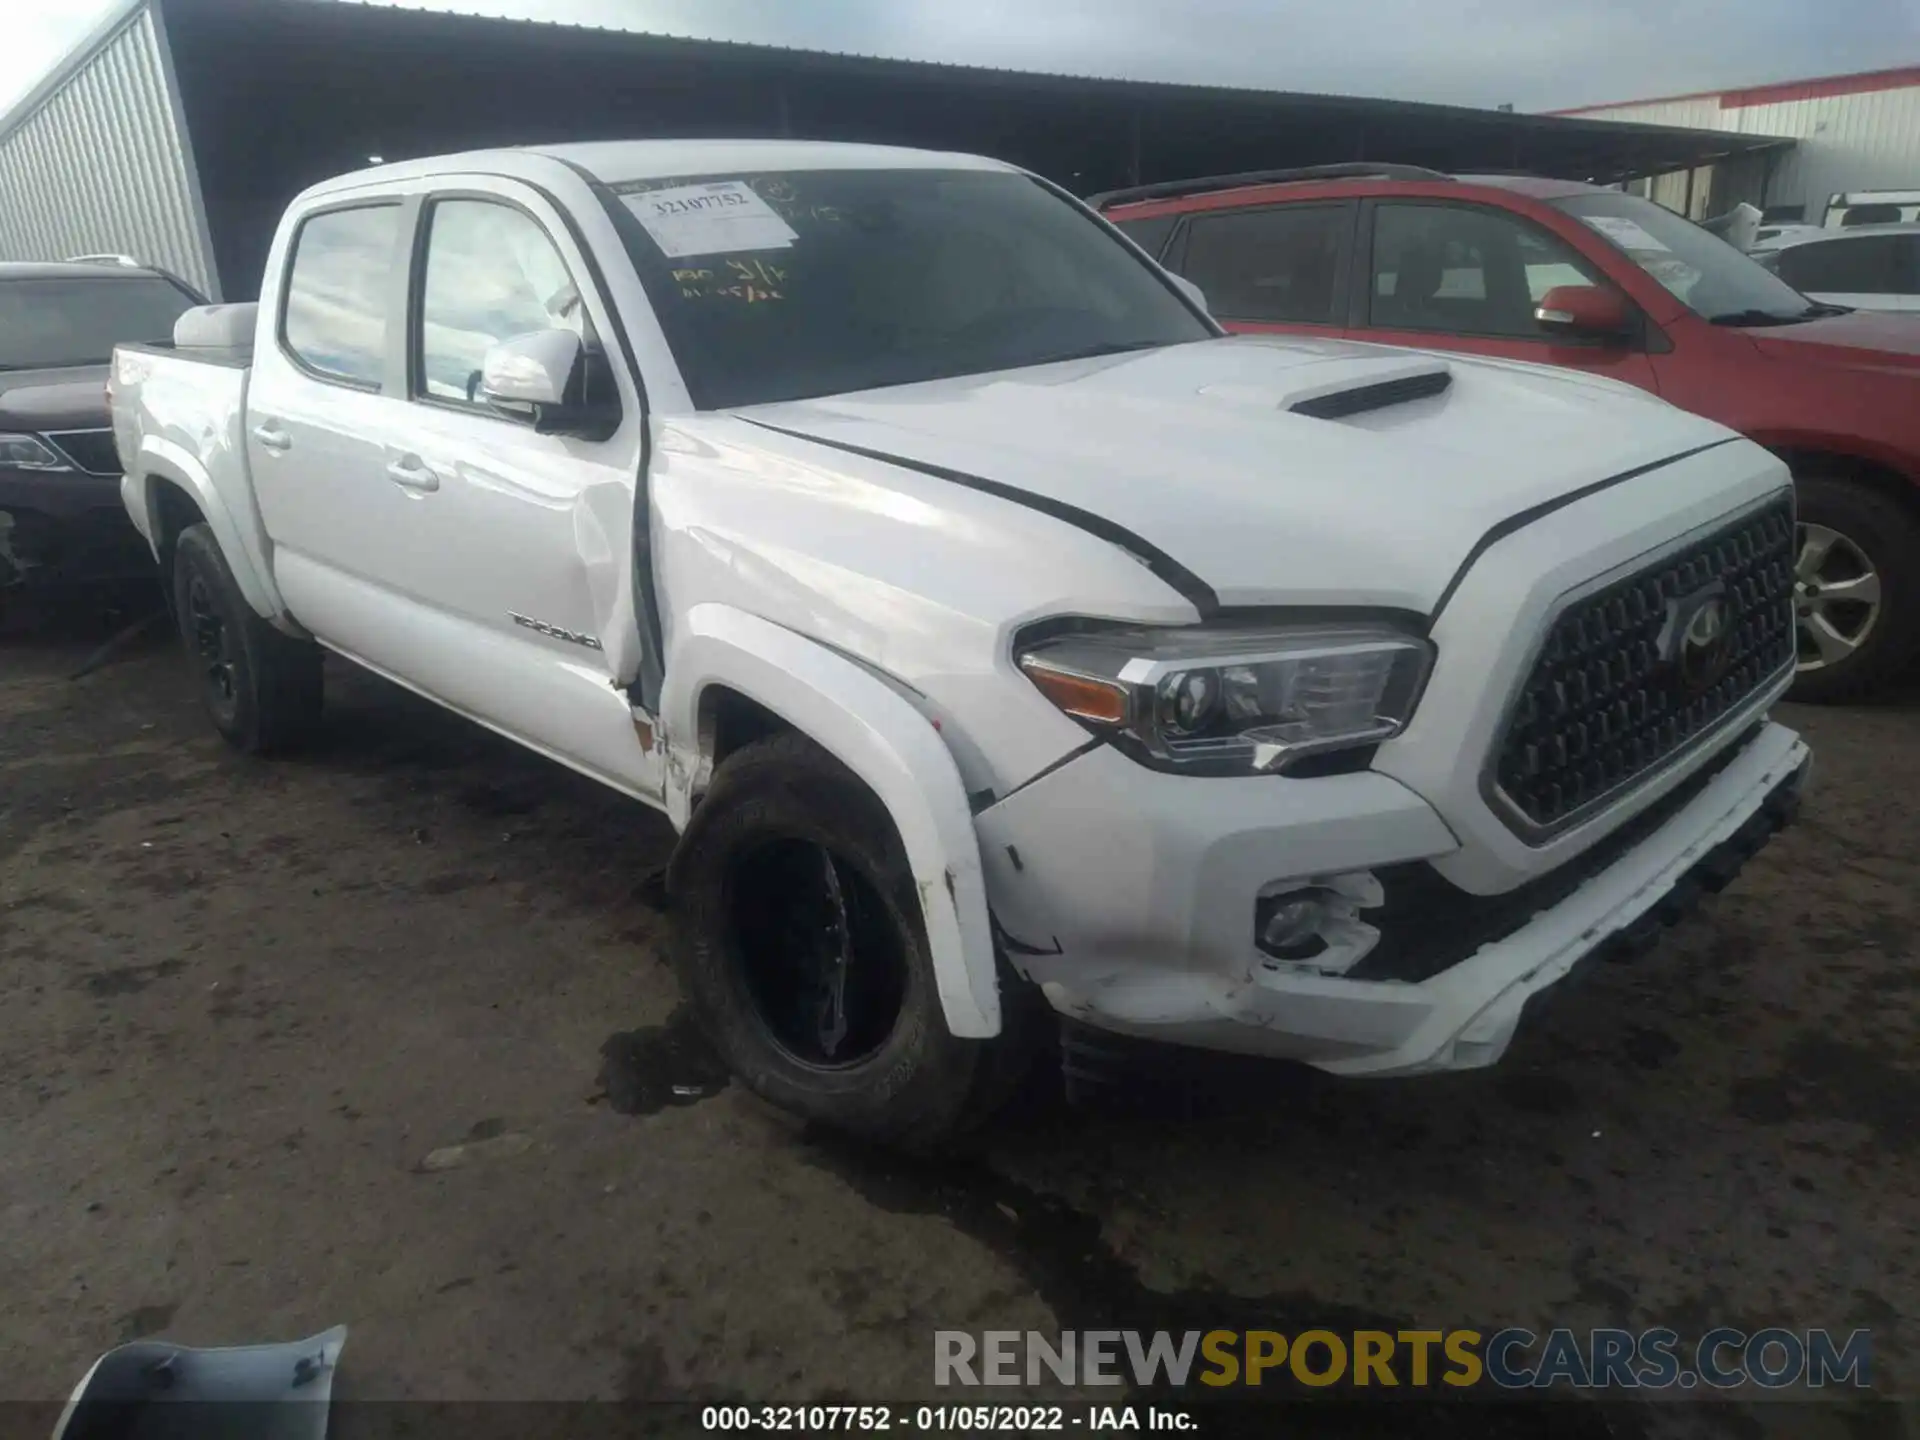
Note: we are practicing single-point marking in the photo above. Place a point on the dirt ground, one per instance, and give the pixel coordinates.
(249, 1006)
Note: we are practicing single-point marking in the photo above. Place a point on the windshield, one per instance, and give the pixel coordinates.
(1702, 271)
(818, 282)
(77, 320)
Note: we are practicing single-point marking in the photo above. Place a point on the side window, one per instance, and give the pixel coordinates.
(1464, 271)
(1862, 265)
(491, 274)
(1281, 264)
(1149, 234)
(338, 284)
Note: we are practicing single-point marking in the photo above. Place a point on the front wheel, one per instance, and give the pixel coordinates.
(261, 689)
(1856, 591)
(801, 944)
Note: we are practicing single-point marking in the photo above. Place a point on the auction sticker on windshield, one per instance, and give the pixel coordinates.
(1627, 234)
(721, 218)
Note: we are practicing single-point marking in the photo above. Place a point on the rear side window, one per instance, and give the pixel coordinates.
(1149, 234)
(1863, 265)
(1270, 264)
(338, 284)
(1279, 265)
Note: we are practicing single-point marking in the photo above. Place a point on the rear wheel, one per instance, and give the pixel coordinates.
(801, 943)
(1856, 591)
(261, 689)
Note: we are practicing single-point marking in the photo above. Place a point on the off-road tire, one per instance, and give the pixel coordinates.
(261, 689)
(914, 1089)
(1887, 534)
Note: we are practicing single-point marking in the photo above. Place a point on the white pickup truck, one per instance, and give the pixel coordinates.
(1001, 638)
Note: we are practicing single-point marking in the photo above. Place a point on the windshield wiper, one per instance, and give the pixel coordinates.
(1770, 317)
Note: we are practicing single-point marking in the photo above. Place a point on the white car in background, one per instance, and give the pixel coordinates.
(1773, 237)
(1866, 267)
(1871, 207)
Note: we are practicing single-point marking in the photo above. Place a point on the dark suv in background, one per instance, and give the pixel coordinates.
(1561, 273)
(61, 520)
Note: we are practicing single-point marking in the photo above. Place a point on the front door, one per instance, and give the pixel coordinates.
(1450, 276)
(449, 545)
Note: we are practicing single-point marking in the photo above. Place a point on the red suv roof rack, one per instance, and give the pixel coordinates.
(1348, 170)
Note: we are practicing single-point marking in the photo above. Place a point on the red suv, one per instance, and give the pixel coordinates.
(1568, 274)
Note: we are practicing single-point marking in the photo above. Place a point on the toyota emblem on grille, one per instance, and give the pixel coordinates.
(1697, 640)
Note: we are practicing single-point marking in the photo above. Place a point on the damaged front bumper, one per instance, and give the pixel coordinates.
(1130, 898)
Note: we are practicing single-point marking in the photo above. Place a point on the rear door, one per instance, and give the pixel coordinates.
(1453, 276)
(323, 393)
(1277, 268)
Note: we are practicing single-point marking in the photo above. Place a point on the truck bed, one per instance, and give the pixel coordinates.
(180, 419)
(231, 357)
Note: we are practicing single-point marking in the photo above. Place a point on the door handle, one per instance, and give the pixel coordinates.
(272, 437)
(410, 472)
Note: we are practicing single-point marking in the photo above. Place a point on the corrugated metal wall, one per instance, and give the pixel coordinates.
(1847, 142)
(100, 165)
(1869, 140)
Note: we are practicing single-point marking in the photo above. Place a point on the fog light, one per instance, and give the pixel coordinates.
(1315, 924)
(1292, 924)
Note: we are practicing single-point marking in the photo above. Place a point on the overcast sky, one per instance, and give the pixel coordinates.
(1536, 54)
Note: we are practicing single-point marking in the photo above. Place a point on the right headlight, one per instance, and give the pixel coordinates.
(1234, 699)
(30, 452)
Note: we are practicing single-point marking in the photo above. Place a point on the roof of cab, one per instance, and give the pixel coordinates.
(617, 162)
(1539, 187)
(1306, 187)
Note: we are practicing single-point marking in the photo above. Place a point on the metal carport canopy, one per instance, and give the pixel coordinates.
(276, 94)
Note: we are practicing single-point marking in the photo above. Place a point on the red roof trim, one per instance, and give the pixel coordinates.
(1785, 90)
(1820, 89)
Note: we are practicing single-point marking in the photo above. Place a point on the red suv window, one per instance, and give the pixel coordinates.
(1464, 270)
(1284, 264)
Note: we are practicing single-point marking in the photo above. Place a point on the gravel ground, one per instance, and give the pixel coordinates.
(251, 1008)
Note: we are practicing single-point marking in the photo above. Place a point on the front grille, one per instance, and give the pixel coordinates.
(92, 450)
(1428, 924)
(1630, 675)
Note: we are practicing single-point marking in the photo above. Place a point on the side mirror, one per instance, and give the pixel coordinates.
(1587, 312)
(550, 377)
(1192, 291)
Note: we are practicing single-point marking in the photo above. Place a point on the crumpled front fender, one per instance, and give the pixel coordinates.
(875, 732)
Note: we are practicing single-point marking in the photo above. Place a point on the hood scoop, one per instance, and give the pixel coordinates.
(1346, 388)
(1339, 404)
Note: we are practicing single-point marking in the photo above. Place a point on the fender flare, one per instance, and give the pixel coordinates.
(872, 730)
(164, 461)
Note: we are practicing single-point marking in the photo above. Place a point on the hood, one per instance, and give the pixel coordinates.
(1193, 449)
(74, 399)
(1880, 339)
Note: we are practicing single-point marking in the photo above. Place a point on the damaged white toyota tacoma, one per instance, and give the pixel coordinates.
(1001, 638)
